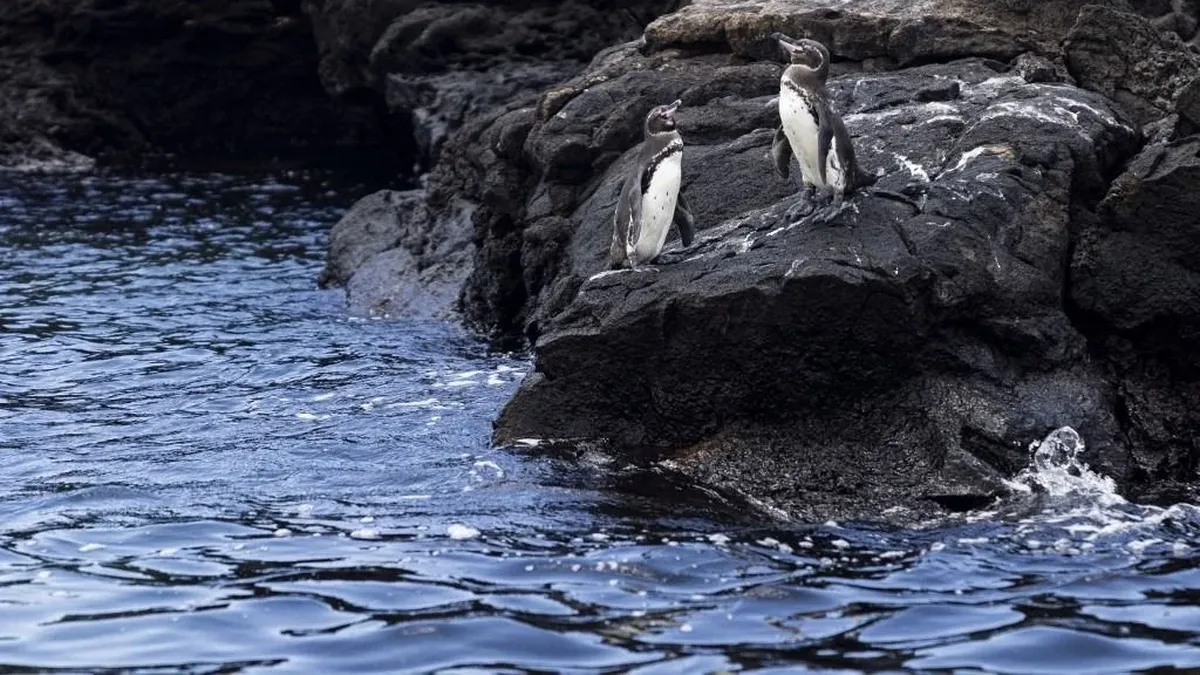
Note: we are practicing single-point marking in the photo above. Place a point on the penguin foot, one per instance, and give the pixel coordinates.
(801, 211)
(831, 211)
(826, 196)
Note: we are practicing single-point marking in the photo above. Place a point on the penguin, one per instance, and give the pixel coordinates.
(810, 129)
(650, 198)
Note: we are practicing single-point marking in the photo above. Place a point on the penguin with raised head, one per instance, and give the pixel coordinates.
(651, 198)
(810, 129)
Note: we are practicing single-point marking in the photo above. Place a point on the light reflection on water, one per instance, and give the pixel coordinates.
(207, 464)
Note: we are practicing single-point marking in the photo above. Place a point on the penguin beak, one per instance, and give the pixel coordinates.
(674, 106)
(787, 44)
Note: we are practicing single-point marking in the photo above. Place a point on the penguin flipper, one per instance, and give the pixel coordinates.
(684, 220)
(627, 222)
(824, 140)
(630, 209)
(781, 151)
(855, 176)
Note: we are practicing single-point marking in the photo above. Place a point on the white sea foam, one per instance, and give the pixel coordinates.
(460, 532)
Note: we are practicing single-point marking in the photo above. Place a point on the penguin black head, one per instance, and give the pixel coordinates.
(661, 119)
(804, 52)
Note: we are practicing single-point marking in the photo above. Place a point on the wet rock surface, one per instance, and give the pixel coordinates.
(901, 355)
(382, 252)
(906, 346)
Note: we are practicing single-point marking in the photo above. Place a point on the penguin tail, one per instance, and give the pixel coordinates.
(864, 179)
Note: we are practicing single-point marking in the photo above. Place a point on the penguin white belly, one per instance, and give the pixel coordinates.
(658, 207)
(800, 127)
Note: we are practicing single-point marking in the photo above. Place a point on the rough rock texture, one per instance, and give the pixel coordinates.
(450, 65)
(1136, 280)
(700, 52)
(903, 355)
(901, 31)
(96, 77)
(893, 361)
(909, 348)
(436, 65)
(1126, 58)
(384, 255)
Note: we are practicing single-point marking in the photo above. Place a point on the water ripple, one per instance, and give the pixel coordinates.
(209, 467)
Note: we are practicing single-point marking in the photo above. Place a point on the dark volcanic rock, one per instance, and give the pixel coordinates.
(165, 75)
(1136, 278)
(700, 54)
(1124, 57)
(910, 348)
(439, 64)
(393, 263)
(900, 30)
(902, 355)
(450, 65)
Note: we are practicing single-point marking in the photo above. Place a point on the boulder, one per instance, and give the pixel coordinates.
(393, 263)
(432, 66)
(893, 360)
(1136, 282)
(1126, 58)
(716, 52)
(901, 355)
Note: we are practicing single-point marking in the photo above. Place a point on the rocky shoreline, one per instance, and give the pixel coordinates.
(1027, 259)
(902, 358)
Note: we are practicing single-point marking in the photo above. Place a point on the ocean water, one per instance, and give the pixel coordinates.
(207, 466)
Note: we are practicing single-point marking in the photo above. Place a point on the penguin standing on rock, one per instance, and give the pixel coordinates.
(811, 130)
(651, 199)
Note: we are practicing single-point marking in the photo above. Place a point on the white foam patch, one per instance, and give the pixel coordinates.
(489, 464)
(365, 533)
(460, 532)
(414, 404)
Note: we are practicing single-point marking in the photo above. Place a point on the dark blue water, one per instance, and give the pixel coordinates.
(207, 466)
